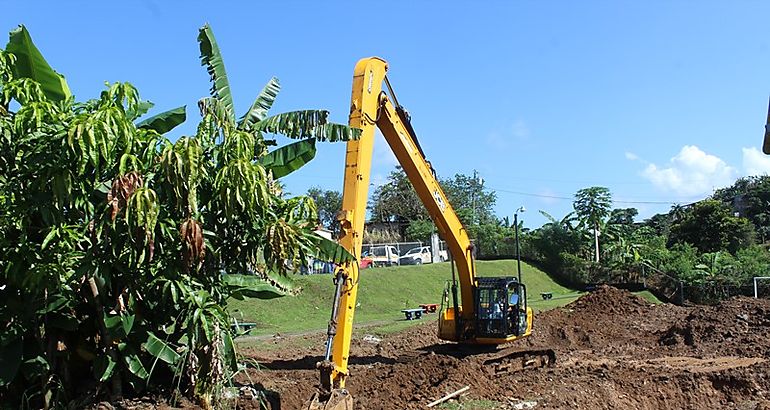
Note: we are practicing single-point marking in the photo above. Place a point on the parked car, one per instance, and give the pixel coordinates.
(416, 256)
(366, 261)
(383, 255)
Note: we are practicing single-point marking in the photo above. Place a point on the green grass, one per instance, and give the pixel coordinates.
(472, 405)
(382, 294)
(646, 295)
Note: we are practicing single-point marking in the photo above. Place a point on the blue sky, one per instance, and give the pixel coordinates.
(660, 101)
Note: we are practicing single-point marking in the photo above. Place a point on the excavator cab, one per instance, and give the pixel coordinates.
(501, 306)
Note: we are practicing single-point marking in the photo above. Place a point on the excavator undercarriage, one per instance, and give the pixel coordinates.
(514, 359)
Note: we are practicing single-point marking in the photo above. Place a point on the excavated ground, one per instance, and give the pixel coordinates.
(615, 351)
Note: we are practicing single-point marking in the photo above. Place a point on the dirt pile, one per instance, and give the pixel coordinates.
(736, 327)
(608, 320)
(615, 350)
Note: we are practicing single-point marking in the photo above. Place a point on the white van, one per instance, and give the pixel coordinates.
(383, 255)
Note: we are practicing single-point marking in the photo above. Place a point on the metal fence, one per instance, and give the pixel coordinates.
(673, 290)
(316, 266)
(401, 247)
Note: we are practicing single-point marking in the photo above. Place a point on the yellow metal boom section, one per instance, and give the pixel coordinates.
(371, 107)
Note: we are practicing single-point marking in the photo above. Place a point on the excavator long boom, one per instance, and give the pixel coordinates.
(371, 107)
(492, 310)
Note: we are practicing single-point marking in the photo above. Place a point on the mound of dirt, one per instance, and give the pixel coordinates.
(607, 300)
(615, 350)
(735, 327)
(607, 320)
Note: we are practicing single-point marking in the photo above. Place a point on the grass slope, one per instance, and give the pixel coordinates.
(383, 292)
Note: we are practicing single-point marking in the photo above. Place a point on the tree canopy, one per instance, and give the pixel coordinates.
(328, 203)
(473, 202)
(396, 200)
(711, 226)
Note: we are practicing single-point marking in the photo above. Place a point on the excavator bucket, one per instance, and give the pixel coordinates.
(338, 399)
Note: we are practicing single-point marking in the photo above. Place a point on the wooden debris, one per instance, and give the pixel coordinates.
(449, 396)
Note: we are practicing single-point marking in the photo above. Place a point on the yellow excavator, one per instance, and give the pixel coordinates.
(488, 311)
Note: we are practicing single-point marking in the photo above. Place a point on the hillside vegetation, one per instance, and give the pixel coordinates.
(383, 293)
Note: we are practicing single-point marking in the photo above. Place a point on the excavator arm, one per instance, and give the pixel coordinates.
(371, 107)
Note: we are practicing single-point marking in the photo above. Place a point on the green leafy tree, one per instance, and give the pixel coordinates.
(710, 226)
(396, 201)
(420, 230)
(494, 238)
(750, 197)
(753, 261)
(328, 203)
(622, 216)
(592, 205)
(473, 202)
(552, 241)
(119, 249)
(660, 223)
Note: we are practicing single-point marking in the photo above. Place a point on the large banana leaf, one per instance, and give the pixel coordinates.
(307, 124)
(30, 63)
(289, 158)
(229, 351)
(328, 250)
(254, 286)
(103, 368)
(165, 121)
(211, 58)
(141, 108)
(332, 132)
(160, 349)
(261, 105)
(549, 217)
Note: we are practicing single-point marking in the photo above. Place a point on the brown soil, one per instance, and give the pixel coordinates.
(614, 350)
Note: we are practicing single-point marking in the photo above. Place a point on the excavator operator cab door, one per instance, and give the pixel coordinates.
(517, 308)
(501, 307)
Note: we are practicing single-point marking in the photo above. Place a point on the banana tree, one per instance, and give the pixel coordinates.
(120, 248)
(245, 150)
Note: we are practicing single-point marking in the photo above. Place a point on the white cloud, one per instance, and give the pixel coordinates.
(631, 156)
(691, 172)
(755, 162)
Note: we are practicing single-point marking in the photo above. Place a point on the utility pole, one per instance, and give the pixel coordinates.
(516, 229)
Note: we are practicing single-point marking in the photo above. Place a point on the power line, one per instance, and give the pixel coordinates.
(572, 198)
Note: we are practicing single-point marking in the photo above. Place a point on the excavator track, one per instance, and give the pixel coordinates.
(495, 360)
(515, 359)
